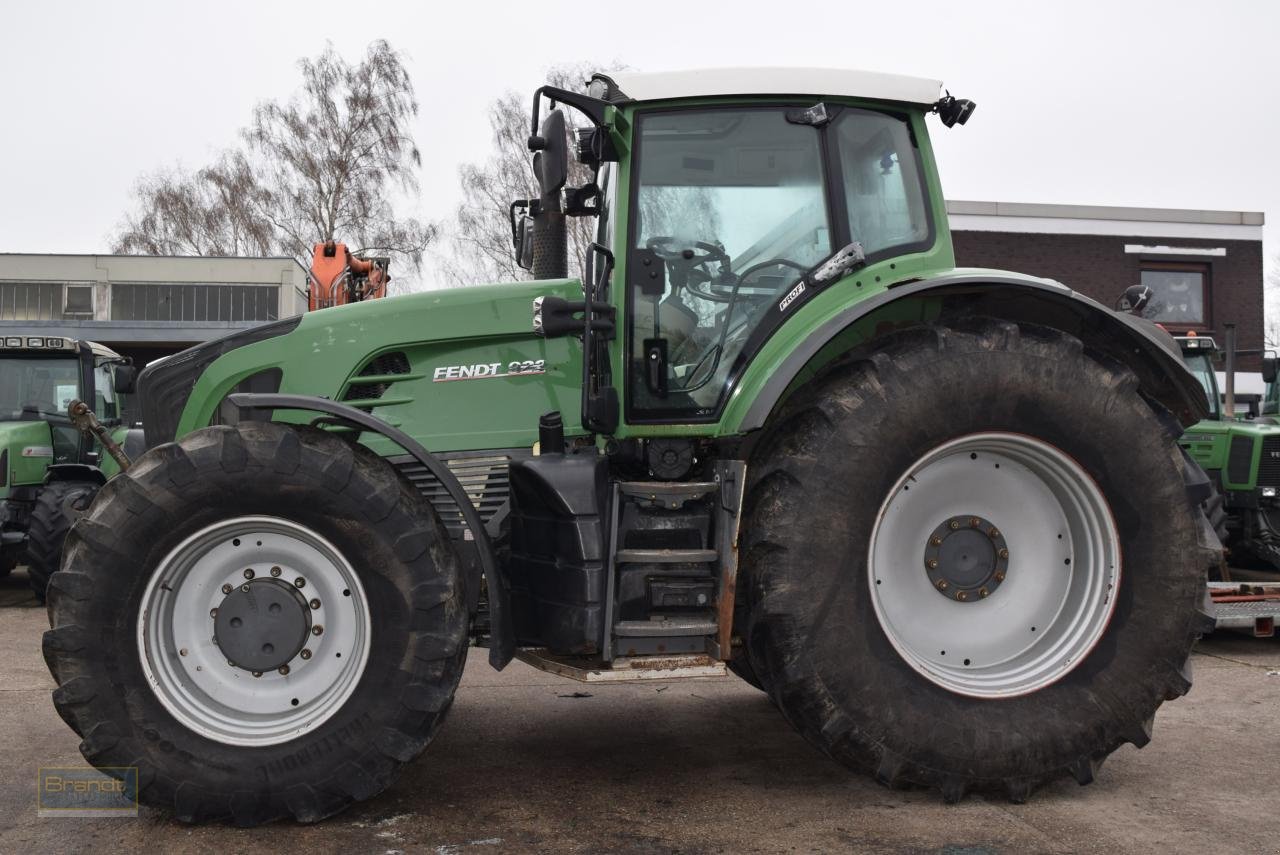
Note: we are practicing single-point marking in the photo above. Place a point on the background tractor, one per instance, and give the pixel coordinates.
(1241, 456)
(49, 470)
(772, 428)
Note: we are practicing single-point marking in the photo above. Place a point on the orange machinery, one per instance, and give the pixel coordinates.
(338, 277)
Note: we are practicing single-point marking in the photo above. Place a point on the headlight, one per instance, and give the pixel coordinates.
(1268, 492)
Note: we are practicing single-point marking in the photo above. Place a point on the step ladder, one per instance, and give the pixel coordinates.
(700, 631)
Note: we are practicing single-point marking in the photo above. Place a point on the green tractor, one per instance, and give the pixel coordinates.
(772, 429)
(1241, 457)
(49, 469)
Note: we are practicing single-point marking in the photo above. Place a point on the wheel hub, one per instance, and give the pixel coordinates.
(966, 558)
(262, 625)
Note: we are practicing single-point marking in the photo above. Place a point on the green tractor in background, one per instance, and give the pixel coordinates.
(1241, 456)
(49, 469)
(772, 429)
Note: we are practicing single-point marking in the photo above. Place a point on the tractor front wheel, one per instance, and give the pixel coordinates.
(57, 507)
(287, 624)
(1009, 569)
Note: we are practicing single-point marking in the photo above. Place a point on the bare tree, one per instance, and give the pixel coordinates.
(321, 166)
(481, 232)
(1271, 305)
(211, 212)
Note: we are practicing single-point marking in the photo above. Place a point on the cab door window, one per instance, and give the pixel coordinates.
(730, 204)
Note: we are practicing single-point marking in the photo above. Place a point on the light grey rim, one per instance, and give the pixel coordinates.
(1063, 564)
(191, 676)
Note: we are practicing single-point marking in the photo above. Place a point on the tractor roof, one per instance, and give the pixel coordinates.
(662, 85)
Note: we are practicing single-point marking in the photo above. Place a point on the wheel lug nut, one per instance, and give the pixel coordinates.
(942, 585)
(305, 654)
(974, 522)
(248, 573)
(317, 630)
(213, 612)
(953, 525)
(232, 664)
(284, 669)
(962, 596)
(257, 673)
(226, 589)
(275, 571)
(932, 564)
(983, 592)
(999, 577)
(1004, 553)
(994, 533)
(300, 582)
(182, 652)
(935, 541)
(315, 604)
(245, 587)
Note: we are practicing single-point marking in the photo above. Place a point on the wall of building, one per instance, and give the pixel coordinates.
(158, 303)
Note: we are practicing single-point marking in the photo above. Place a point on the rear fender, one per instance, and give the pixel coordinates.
(1141, 345)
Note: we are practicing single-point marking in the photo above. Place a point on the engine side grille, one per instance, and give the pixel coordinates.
(1240, 459)
(1269, 465)
(387, 363)
(483, 476)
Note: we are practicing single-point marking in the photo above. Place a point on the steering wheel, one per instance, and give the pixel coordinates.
(685, 263)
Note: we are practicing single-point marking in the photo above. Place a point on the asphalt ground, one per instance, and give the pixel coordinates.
(529, 762)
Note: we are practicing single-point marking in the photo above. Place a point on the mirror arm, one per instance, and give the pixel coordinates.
(593, 108)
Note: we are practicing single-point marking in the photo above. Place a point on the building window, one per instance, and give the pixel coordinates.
(1179, 293)
(79, 302)
(182, 301)
(44, 301)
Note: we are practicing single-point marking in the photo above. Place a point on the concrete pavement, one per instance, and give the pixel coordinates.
(525, 763)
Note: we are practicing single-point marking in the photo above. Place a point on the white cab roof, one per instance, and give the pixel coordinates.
(658, 86)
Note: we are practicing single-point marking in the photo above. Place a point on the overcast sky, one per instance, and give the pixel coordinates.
(1166, 104)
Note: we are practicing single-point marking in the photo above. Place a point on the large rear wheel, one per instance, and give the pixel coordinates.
(288, 617)
(1010, 568)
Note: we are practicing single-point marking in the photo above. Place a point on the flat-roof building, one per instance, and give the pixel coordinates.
(1205, 268)
(146, 306)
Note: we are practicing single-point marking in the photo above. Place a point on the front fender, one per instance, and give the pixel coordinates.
(1146, 348)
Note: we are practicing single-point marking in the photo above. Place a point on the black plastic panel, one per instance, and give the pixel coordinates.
(558, 550)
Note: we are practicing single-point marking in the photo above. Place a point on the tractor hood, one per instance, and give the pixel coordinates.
(26, 450)
(459, 369)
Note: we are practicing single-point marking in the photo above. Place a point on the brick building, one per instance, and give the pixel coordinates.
(1204, 267)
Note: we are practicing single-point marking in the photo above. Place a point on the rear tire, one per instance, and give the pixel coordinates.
(852, 680)
(57, 508)
(335, 514)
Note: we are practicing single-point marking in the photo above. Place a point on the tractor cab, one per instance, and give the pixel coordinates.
(1198, 353)
(738, 212)
(39, 378)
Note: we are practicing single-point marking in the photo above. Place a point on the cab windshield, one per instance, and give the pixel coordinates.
(40, 383)
(1200, 365)
(733, 205)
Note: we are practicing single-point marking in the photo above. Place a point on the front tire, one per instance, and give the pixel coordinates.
(945, 684)
(57, 508)
(306, 558)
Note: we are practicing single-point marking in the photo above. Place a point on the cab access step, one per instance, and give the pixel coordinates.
(621, 579)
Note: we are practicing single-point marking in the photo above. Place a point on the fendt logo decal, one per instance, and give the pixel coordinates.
(485, 370)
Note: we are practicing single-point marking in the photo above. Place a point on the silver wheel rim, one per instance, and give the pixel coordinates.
(1055, 591)
(192, 676)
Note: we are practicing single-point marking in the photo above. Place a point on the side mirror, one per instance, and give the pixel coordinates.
(126, 378)
(524, 242)
(551, 154)
(1269, 366)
